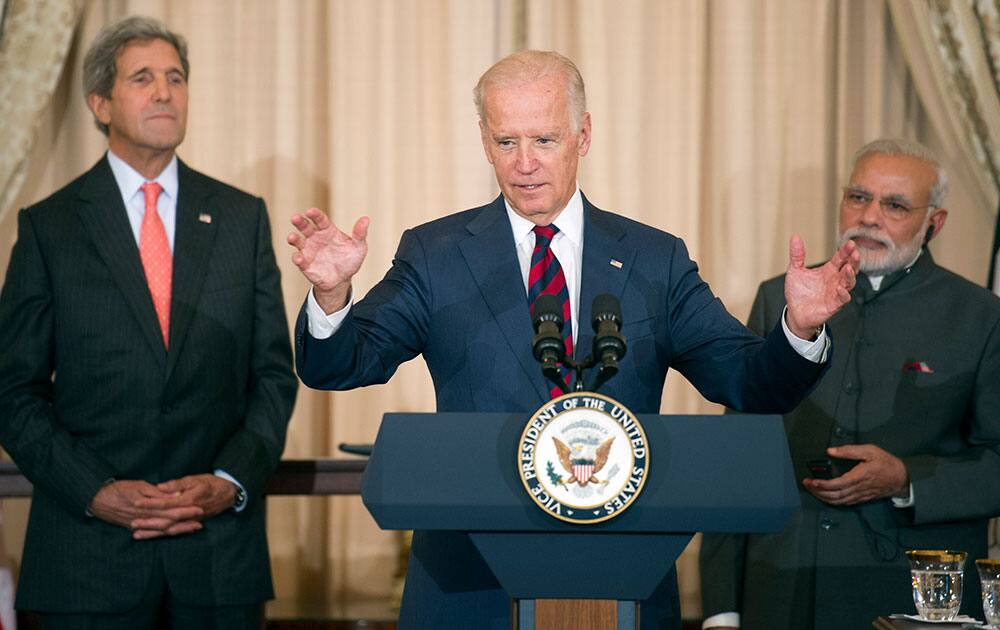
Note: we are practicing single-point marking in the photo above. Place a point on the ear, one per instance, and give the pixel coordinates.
(485, 137)
(584, 145)
(100, 106)
(938, 217)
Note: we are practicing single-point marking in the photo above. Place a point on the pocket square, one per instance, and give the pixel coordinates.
(918, 366)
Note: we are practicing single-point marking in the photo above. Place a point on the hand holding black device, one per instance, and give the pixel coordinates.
(829, 467)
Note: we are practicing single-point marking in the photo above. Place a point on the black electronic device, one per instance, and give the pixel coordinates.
(829, 467)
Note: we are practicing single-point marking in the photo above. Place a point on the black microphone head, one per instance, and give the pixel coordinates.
(547, 308)
(605, 307)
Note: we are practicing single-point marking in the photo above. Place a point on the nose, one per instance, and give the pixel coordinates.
(161, 88)
(526, 162)
(871, 214)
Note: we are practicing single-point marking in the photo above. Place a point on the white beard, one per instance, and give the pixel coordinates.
(894, 257)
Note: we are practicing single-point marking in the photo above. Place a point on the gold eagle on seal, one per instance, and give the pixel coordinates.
(582, 469)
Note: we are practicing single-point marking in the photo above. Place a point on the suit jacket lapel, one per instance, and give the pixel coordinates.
(607, 263)
(492, 258)
(192, 247)
(106, 222)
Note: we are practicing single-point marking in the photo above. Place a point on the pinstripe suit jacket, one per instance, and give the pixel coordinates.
(88, 393)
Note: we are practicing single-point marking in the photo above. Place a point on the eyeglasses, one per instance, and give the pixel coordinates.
(893, 207)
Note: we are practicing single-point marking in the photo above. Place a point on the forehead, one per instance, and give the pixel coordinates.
(536, 106)
(885, 174)
(151, 53)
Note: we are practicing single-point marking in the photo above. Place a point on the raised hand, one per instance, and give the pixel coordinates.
(814, 295)
(879, 474)
(328, 257)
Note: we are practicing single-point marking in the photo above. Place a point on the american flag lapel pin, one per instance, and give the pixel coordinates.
(617, 264)
(204, 217)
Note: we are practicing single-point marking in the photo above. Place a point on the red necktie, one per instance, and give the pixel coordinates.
(157, 263)
(545, 276)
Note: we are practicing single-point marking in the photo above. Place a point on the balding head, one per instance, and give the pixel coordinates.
(528, 66)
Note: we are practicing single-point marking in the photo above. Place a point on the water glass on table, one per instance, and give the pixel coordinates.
(989, 578)
(936, 576)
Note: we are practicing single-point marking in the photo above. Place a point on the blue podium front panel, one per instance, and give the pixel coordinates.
(454, 471)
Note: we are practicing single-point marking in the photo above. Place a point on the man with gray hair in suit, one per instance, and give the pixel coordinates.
(145, 378)
(460, 290)
(891, 443)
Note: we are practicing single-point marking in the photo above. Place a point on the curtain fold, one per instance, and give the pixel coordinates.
(952, 49)
(33, 47)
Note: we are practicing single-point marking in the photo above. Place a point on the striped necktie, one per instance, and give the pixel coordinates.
(546, 277)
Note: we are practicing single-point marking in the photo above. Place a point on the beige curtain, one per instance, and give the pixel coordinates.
(952, 49)
(33, 46)
(728, 123)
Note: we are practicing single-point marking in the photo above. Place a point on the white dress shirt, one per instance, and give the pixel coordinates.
(130, 183)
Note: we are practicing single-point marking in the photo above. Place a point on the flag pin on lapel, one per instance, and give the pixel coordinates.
(918, 366)
(617, 264)
(205, 218)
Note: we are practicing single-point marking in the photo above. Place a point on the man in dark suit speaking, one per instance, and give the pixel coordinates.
(458, 293)
(145, 378)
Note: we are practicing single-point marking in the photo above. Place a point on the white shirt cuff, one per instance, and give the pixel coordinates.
(814, 351)
(241, 497)
(321, 325)
(723, 620)
(904, 503)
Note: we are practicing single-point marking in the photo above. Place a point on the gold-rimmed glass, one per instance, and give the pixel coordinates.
(892, 207)
(989, 580)
(936, 575)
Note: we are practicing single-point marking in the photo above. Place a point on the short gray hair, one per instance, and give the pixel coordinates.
(527, 66)
(913, 149)
(100, 65)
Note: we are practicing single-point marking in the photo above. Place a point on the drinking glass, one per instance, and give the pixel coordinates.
(989, 578)
(937, 582)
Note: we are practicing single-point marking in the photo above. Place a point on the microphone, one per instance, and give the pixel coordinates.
(548, 346)
(609, 344)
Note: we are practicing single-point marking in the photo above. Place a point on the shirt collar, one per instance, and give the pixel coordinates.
(569, 220)
(876, 281)
(129, 180)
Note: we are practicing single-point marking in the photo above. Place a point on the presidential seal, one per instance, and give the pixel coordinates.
(583, 458)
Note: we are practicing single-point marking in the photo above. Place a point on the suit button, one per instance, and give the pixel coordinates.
(840, 432)
(850, 387)
(827, 524)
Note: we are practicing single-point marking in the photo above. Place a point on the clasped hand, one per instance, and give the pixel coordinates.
(877, 475)
(171, 508)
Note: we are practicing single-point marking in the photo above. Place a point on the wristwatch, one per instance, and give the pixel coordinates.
(240, 500)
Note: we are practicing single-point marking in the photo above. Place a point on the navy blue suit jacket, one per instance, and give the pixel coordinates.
(455, 295)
